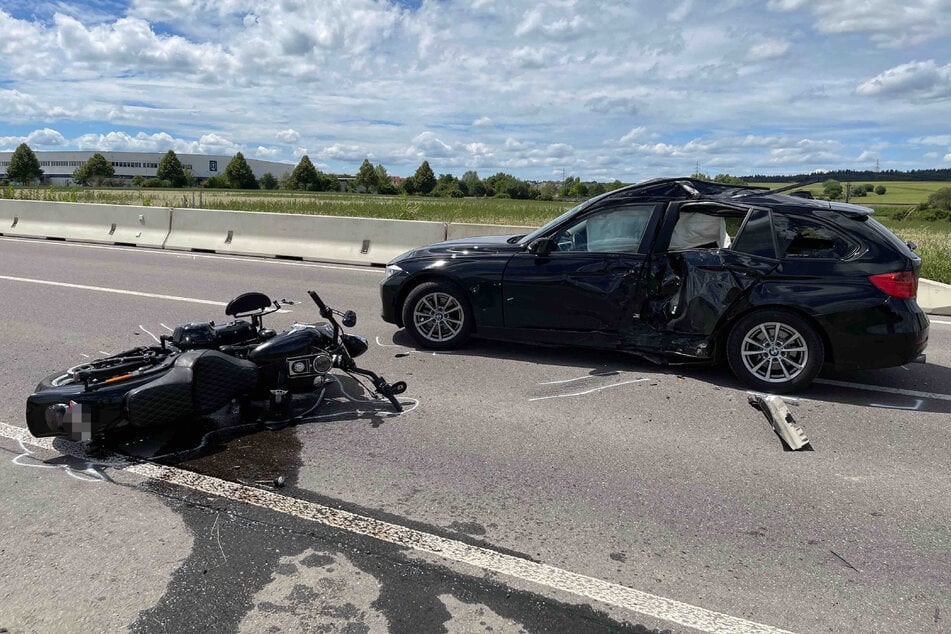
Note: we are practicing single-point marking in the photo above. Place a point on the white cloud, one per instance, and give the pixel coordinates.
(289, 136)
(525, 85)
(45, 137)
(914, 80)
(890, 24)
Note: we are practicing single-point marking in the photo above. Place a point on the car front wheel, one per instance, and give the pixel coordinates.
(775, 351)
(437, 316)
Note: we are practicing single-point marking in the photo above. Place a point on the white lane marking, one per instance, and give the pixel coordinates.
(195, 255)
(118, 291)
(596, 389)
(936, 321)
(887, 390)
(557, 578)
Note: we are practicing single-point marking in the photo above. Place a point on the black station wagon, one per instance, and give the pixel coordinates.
(680, 270)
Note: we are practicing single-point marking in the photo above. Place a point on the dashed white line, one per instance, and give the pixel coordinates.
(549, 576)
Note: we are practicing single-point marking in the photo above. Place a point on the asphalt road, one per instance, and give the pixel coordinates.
(662, 480)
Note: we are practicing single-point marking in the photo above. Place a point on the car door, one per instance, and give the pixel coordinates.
(586, 278)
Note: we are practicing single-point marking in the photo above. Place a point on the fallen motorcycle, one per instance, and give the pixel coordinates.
(201, 368)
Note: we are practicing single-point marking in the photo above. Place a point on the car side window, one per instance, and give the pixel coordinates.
(806, 238)
(756, 235)
(615, 230)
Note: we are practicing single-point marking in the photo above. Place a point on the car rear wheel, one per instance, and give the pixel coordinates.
(437, 316)
(775, 351)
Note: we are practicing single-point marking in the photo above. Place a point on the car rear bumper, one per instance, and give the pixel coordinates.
(887, 335)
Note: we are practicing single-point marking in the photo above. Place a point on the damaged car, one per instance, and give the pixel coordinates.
(679, 270)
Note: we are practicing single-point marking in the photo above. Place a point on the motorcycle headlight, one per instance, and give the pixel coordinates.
(391, 270)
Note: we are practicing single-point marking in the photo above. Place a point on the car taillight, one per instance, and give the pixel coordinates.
(903, 285)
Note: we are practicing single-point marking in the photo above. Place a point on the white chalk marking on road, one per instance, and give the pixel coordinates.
(577, 584)
(887, 390)
(118, 291)
(193, 255)
(89, 474)
(580, 378)
(596, 389)
(143, 329)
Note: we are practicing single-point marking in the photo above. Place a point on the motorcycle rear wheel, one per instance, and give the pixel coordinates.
(108, 369)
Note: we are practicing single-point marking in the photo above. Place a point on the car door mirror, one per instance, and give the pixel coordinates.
(542, 247)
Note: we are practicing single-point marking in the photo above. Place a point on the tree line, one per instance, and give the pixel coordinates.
(97, 170)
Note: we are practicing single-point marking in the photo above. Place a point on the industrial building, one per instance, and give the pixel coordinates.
(58, 167)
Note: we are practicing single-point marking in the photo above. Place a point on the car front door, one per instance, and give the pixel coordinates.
(585, 277)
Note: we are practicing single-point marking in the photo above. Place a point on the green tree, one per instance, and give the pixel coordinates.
(268, 181)
(171, 169)
(366, 178)
(566, 186)
(880, 190)
(471, 184)
(304, 175)
(941, 199)
(832, 189)
(239, 174)
(448, 186)
(383, 182)
(218, 181)
(24, 166)
(96, 170)
(424, 179)
(409, 186)
(728, 180)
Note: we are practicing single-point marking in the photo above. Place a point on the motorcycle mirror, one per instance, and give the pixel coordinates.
(349, 319)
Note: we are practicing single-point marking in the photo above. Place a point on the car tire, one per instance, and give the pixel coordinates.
(775, 351)
(437, 316)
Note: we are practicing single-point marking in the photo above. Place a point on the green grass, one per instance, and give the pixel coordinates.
(932, 237)
(896, 192)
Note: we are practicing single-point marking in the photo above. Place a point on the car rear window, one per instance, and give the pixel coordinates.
(798, 237)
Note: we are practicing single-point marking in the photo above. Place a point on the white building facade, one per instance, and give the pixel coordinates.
(58, 167)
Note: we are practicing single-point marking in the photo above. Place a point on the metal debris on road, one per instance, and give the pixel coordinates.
(776, 412)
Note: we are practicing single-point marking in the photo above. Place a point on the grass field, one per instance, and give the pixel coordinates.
(896, 192)
(933, 238)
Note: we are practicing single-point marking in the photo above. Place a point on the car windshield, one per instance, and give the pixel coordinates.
(534, 235)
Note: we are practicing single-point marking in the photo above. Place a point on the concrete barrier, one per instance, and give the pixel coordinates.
(109, 224)
(324, 238)
(934, 297)
(465, 230)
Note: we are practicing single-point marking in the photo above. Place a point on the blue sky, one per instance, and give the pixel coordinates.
(601, 90)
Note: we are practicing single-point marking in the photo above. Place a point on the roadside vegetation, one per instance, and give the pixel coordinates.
(916, 210)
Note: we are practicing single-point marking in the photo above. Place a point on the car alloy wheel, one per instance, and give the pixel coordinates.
(437, 315)
(775, 350)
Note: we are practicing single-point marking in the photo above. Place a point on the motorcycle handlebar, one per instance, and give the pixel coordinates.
(325, 312)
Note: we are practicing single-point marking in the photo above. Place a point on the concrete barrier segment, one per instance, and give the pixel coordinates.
(934, 297)
(457, 230)
(82, 222)
(322, 238)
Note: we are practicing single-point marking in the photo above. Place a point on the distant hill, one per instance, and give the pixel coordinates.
(857, 175)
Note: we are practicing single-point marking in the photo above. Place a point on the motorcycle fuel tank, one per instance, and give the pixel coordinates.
(300, 339)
